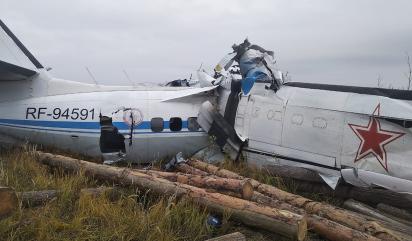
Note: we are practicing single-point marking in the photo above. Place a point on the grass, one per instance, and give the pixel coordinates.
(260, 175)
(136, 215)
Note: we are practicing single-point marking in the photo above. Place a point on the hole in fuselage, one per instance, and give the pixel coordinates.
(110, 138)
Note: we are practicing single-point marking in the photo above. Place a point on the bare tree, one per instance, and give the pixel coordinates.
(379, 81)
(409, 74)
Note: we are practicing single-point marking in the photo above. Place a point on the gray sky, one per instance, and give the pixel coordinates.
(348, 42)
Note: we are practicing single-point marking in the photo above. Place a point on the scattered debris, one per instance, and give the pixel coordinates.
(214, 221)
(171, 165)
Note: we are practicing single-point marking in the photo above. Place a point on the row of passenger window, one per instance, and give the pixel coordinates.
(175, 124)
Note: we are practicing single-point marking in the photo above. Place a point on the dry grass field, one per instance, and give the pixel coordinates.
(134, 215)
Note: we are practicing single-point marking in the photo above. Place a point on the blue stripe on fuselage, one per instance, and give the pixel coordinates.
(89, 125)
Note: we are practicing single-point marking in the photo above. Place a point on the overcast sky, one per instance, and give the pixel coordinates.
(348, 42)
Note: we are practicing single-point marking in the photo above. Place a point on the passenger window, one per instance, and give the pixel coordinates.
(157, 124)
(192, 124)
(175, 124)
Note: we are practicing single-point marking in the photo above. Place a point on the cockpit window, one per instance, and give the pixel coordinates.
(157, 124)
(175, 124)
(192, 124)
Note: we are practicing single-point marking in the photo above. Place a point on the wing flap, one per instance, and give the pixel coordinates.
(188, 92)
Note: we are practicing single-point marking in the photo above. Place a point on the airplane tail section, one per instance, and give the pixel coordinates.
(21, 74)
(16, 61)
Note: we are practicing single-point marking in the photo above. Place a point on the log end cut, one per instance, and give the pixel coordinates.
(247, 190)
(302, 229)
(8, 201)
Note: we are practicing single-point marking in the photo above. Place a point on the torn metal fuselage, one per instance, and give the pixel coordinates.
(355, 133)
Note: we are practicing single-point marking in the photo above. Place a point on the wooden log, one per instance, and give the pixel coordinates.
(265, 200)
(371, 212)
(335, 231)
(184, 168)
(309, 181)
(214, 170)
(397, 212)
(38, 198)
(230, 237)
(339, 215)
(8, 201)
(293, 172)
(283, 222)
(372, 196)
(244, 187)
(330, 212)
(326, 228)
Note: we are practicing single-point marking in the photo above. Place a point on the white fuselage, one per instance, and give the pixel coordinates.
(71, 121)
(316, 129)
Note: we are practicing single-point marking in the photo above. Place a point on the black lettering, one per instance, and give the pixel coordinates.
(57, 113)
(41, 112)
(92, 111)
(65, 114)
(30, 111)
(75, 114)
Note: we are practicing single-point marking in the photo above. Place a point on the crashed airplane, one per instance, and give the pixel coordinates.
(354, 134)
(359, 134)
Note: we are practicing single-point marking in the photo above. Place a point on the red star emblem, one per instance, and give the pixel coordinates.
(374, 139)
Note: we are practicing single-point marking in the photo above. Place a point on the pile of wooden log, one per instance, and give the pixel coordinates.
(330, 222)
(248, 201)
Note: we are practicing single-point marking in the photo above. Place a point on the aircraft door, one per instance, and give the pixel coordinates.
(314, 134)
(265, 128)
(243, 117)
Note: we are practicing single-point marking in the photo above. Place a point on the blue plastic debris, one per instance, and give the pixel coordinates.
(214, 221)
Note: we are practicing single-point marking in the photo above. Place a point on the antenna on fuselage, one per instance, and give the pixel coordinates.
(91, 75)
(128, 78)
(200, 67)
